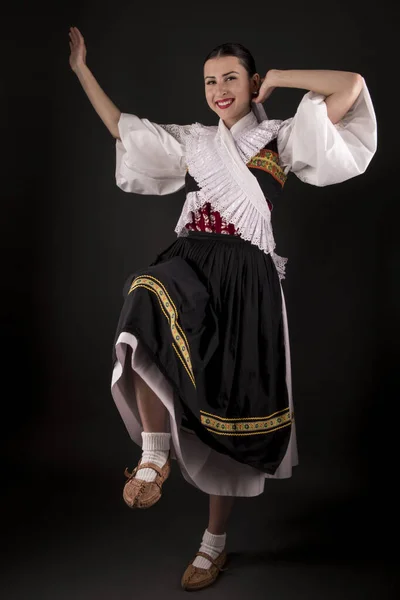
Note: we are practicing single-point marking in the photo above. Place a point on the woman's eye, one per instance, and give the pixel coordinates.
(230, 77)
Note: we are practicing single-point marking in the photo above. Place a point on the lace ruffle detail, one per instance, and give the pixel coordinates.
(179, 132)
(222, 190)
(250, 142)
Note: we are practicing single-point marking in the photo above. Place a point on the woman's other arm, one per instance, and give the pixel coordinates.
(102, 104)
(340, 88)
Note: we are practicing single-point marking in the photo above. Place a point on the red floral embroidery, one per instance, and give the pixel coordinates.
(205, 219)
(209, 220)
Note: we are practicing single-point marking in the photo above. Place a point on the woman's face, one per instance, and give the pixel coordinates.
(228, 88)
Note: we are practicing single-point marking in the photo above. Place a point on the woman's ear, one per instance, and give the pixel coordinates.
(256, 83)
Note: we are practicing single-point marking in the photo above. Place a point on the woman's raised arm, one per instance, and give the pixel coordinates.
(102, 104)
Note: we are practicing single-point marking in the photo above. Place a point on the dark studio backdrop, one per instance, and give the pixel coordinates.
(71, 237)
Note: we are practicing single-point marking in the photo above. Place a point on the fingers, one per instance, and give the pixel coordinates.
(262, 96)
(76, 36)
(72, 37)
(263, 87)
(78, 33)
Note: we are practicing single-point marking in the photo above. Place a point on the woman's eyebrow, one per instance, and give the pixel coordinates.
(224, 75)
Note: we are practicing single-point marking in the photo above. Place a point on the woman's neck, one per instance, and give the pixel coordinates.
(229, 123)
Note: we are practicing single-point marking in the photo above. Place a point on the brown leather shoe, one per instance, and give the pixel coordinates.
(195, 578)
(143, 494)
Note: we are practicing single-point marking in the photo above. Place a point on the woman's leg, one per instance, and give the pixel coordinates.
(214, 537)
(152, 411)
(220, 510)
(155, 435)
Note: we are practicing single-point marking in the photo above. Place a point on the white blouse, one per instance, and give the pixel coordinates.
(153, 159)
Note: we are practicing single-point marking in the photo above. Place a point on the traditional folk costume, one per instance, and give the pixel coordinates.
(205, 324)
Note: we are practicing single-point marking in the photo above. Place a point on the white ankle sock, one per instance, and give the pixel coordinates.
(212, 545)
(155, 449)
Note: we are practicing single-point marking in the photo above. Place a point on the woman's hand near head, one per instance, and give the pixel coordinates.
(78, 49)
(268, 85)
(102, 104)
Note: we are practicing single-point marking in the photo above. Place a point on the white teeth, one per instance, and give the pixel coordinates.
(225, 103)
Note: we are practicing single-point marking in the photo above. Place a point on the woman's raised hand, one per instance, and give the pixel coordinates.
(105, 108)
(78, 49)
(267, 87)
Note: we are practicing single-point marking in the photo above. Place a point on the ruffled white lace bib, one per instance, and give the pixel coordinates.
(217, 162)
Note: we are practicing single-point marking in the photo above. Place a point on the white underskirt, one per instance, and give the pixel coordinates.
(210, 471)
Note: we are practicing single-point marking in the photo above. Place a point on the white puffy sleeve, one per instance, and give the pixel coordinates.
(321, 153)
(150, 158)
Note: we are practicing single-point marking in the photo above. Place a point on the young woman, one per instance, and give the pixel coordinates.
(201, 355)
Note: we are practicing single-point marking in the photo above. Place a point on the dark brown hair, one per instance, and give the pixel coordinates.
(235, 49)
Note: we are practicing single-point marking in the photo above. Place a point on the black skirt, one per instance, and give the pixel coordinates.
(208, 311)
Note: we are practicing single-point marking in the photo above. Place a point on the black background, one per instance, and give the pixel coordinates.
(69, 239)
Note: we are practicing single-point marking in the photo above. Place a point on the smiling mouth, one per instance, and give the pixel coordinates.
(225, 103)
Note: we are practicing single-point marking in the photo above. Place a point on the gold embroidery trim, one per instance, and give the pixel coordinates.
(267, 160)
(180, 343)
(250, 426)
